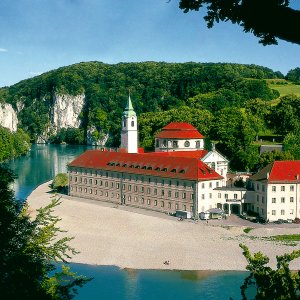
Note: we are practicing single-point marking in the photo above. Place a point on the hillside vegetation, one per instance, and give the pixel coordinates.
(229, 103)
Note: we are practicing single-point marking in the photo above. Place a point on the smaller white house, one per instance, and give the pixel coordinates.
(179, 136)
(230, 199)
(276, 191)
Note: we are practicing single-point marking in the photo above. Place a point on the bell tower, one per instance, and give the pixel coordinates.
(129, 134)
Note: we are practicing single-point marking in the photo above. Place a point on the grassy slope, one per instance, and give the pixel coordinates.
(285, 87)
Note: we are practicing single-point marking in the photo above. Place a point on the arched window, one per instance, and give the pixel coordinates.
(132, 123)
(213, 165)
(124, 123)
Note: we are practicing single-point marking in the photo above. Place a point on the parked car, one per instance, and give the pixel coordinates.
(183, 214)
(297, 221)
(279, 221)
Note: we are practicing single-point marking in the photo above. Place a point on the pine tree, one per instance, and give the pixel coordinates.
(30, 250)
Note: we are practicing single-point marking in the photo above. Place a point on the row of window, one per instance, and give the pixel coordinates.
(149, 190)
(149, 180)
(282, 212)
(90, 181)
(274, 200)
(274, 188)
(282, 200)
(282, 188)
(134, 199)
(174, 144)
(235, 196)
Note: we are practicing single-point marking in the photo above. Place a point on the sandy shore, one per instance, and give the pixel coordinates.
(139, 239)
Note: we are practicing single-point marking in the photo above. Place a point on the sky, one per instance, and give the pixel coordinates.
(37, 36)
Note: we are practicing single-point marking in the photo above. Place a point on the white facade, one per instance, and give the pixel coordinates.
(273, 201)
(205, 193)
(230, 199)
(173, 144)
(217, 162)
(129, 134)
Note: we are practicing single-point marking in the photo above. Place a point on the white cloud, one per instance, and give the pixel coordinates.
(3, 50)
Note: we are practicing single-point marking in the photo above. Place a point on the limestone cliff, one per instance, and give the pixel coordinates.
(8, 117)
(66, 110)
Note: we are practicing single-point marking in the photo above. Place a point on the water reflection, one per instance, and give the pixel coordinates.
(128, 284)
(41, 164)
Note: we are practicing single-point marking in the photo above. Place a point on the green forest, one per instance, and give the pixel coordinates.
(13, 144)
(231, 104)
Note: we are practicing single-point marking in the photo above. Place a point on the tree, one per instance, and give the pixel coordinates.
(60, 182)
(240, 183)
(281, 283)
(267, 20)
(286, 114)
(294, 75)
(268, 157)
(291, 143)
(234, 133)
(29, 250)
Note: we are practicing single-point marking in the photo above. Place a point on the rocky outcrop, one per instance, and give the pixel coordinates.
(8, 117)
(66, 110)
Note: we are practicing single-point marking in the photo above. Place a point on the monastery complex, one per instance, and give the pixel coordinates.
(181, 176)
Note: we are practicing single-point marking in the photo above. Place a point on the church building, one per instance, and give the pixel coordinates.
(179, 175)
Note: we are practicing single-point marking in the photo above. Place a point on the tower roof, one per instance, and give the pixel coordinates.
(179, 130)
(129, 111)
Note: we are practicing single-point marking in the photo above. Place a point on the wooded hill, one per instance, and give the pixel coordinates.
(205, 94)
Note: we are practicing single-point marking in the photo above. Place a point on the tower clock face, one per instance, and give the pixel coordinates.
(186, 143)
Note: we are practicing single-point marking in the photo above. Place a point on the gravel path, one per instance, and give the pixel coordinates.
(106, 234)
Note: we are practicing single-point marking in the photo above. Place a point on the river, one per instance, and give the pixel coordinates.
(40, 165)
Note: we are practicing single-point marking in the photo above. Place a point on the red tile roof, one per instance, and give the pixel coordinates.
(280, 171)
(189, 168)
(196, 154)
(179, 126)
(179, 130)
(287, 170)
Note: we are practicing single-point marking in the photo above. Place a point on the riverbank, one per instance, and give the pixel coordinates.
(138, 239)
